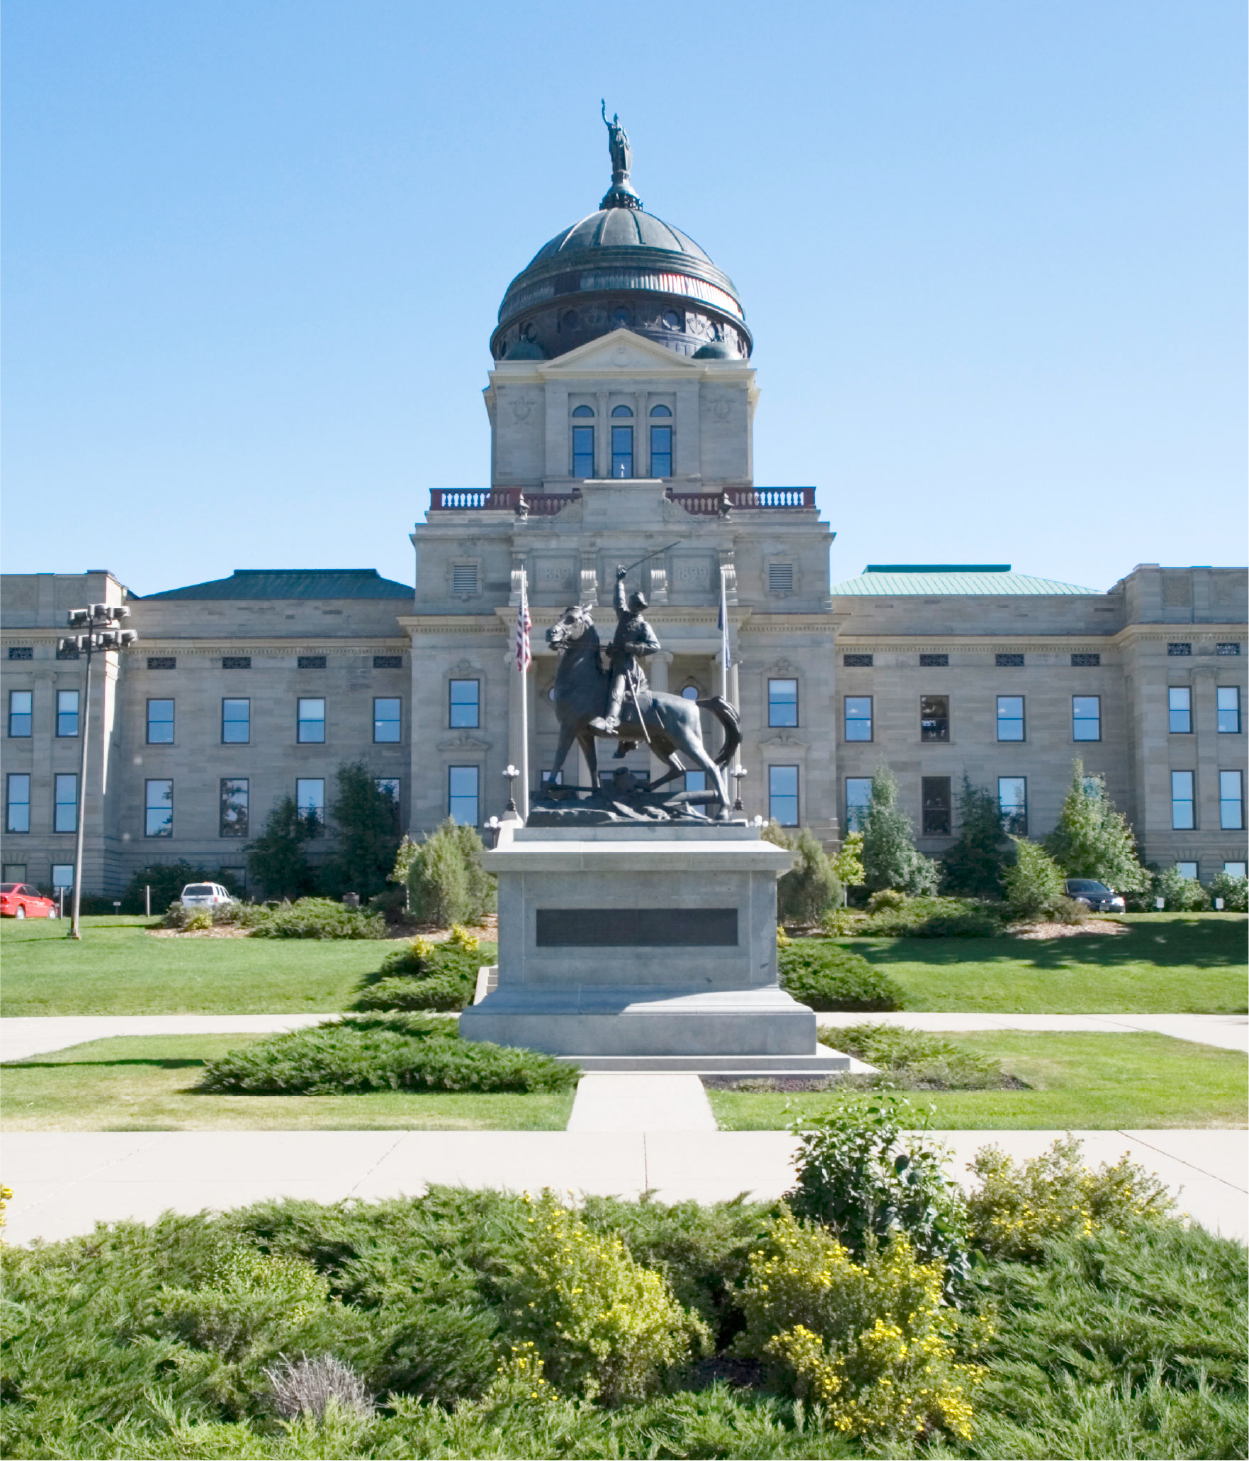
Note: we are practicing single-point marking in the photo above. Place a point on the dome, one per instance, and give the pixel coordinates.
(621, 267)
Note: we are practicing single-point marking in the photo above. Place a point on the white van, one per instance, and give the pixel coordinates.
(204, 895)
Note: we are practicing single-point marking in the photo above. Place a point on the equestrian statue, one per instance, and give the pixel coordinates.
(619, 703)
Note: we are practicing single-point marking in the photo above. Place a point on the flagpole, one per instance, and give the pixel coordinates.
(522, 663)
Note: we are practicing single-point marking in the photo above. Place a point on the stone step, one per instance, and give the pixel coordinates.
(822, 1062)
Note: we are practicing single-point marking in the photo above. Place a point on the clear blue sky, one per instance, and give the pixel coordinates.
(992, 252)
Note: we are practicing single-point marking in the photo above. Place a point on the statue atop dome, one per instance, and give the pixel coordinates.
(620, 194)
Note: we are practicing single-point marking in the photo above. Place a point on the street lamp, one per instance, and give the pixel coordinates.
(99, 632)
(511, 773)
(737, 773)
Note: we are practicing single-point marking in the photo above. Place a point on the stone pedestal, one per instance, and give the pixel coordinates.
(644, 946)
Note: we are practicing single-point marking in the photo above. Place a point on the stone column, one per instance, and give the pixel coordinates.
(602, 436)
(657, 668)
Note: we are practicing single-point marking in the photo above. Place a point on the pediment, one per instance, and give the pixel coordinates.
(621, 350)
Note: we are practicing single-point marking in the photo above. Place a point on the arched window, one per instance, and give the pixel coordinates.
(621, 411)
(583, 410)
(672, 320)
(691, 692)
(660, 411)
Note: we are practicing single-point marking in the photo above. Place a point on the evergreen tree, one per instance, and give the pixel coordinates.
(366, 819)
(1092, 839)
(275, 860)
(810, 888)
(848, 863)
(438, 890)
(975, 863)
(1034, 885)
(890, 857)
(482, 886)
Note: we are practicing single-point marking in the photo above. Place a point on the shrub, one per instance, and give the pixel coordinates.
(1181, 894)
(848, 862)
(606, 1327)
(1034, 885)
(975, 863)
(1234, 892)
(446, 881)
(930, 918)
(1092, 839)
(810, 887)
(916, 1060)
(198, 920)
(424, 975)
(383, 1052)
(828, 976)
(167, 880)
(865, 1177)
(871, 1340)
(320, 918)
(890, 858)
(438, 992)
(886, 898)
(1018, 1208)
(312, 1386)
(366, 820)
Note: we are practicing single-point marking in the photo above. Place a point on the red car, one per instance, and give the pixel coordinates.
(20, 900)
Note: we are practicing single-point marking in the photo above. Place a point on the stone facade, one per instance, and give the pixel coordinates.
(618, 448)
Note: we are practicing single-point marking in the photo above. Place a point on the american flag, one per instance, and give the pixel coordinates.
(523, 625)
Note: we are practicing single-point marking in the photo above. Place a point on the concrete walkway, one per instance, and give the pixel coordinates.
(65, 1182)
(625, 1101)
(1229, 1032)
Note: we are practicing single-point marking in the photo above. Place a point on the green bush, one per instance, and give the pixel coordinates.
(1034, 884)
(425, 976)
(319, 918)
(890, 857)
(1092, 839)
(446, 881)
(868, 1172)
(1018, 1207)
(872, 1341)
(886, 898)
(606, 1327)
(383, 1052)
(828, 976)
(1181, 894)
(810, 888)
(916, 1060)
(976, 861)
(1234, 892)
(930, 918)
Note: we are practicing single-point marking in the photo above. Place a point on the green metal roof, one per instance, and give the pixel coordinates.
(937, 580)
(294, 583)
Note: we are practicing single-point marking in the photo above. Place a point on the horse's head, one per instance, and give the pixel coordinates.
(576, 622)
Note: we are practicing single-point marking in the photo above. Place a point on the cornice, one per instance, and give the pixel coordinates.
(1167, 633)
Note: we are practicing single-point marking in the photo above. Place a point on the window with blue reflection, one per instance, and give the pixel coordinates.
(622, 450)
(1180, 710)
(1182, 800)
(696, 781)
(311, 720)
(18, 819)
(158, 809)
(1228, 710)
(621, 411)
(583, 450)
(1012, 802)
(65, 806)
(661, 451)
(462, 795)
(858, 717)
(387, 724)
(465, 704)
(782, 702)
(310, 800)
(783, 795)
(660, 411)
(236, 722)
(858, 799)
(1010, 724)
(67, 712)
(160, 722)
(581, 412)
(21, 711)
(1231, 801)
(1086, 717)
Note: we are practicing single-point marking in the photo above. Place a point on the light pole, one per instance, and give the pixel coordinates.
(101, 632)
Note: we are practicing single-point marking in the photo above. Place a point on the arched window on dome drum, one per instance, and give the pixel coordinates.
(621, 411)
(660, 411)
(583, 410)
(621, 450)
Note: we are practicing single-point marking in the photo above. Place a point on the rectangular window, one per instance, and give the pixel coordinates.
(1179, 710)
(62, 876)
(1008, 661)
(934, 661)
(1010, 722)
(236, 662)
(783, 795)
(310, 799)
(389, 786)
(162, 662)
(67, 712)
(858, 799)
(387, 721)
(13, 872)
(1086, 717)
(158, 809)
(234, 800)
(311, 721)
(857, 661)
(465, 711)
(1012, 802)
(1231, 801)
(65, 803)
(21, 651)
(1187, 870)
(1227, 647)
(1182, 800)
(622, 451)
(1179, 649)
(311, 662)
(387, 661)
(696, 781)
(236, 722)
(1085, 661)
(1227, 709)
(462, 796)
(1232, 869)
(160, 722)
(18, 819)
(858, 717)
(782, 702)
(661, 451)
(934, 717)
(21, 712)
(935, 798)
(583, 451)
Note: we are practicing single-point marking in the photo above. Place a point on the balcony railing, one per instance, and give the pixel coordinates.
(547, 504)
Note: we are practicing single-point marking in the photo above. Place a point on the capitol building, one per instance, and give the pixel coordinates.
(621, 400)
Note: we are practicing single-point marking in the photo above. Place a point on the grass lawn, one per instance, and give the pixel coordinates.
(1169, 963)
(119, 969)
(146, 1083)
(1077, 1082)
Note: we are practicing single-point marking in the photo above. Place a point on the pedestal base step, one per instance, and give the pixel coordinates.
(823, 1062)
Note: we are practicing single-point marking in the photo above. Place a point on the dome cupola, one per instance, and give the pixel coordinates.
(621, 267)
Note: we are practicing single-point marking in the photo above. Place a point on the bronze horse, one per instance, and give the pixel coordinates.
(672, 723)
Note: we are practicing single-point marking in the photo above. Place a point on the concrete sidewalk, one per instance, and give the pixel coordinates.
(1229, 1032)
(65, 1182)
